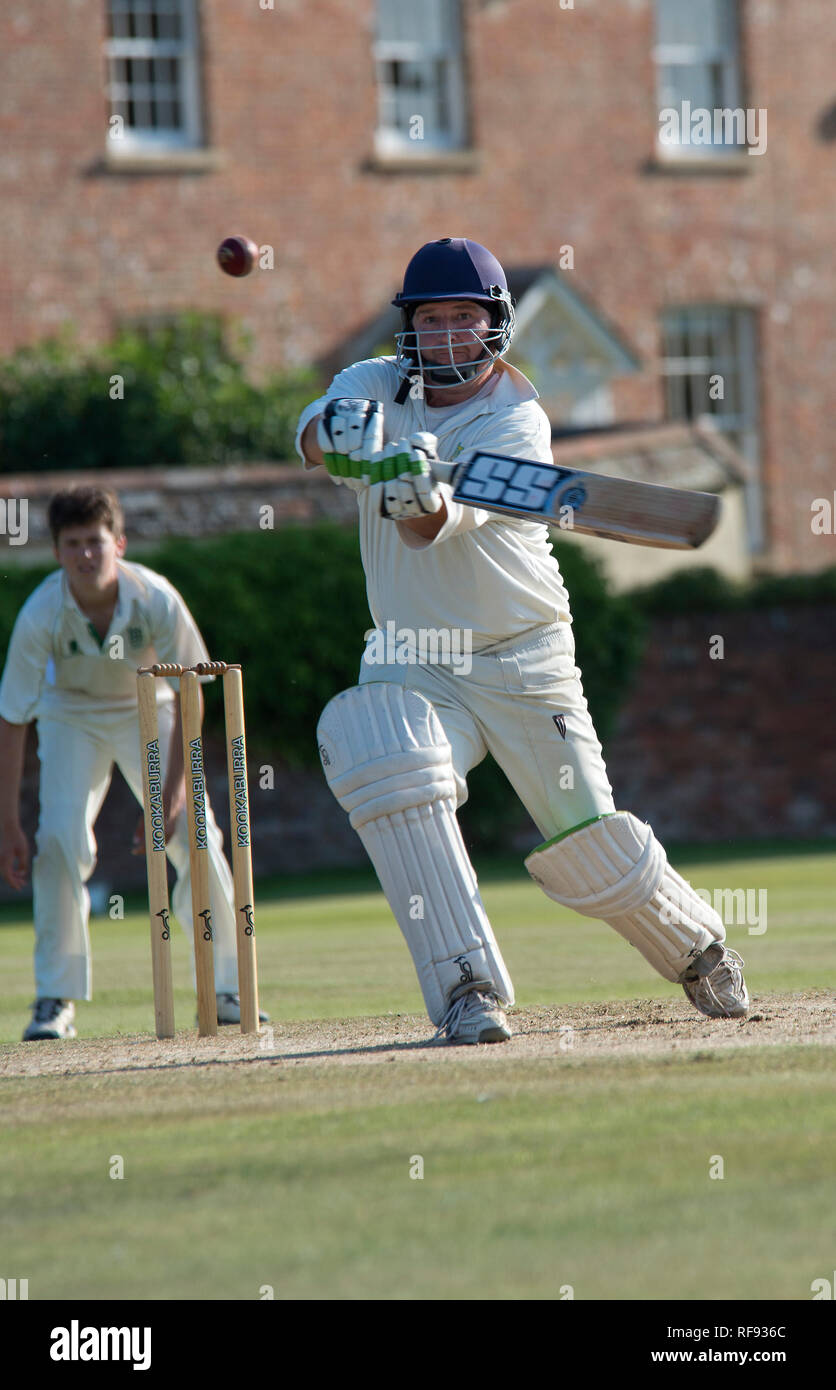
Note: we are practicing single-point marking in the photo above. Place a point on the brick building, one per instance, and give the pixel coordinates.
(654, 173)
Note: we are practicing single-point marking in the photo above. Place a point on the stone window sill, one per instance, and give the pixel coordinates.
(425, 162)
(174, 161)
(661, 162)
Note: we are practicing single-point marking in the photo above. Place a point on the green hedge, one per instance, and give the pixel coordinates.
(186, 400)
(705, 591)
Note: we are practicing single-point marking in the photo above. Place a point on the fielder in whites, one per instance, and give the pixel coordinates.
(396, 749)
(71, 665)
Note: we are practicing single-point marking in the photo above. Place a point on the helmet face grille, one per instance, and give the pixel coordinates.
(445, 370)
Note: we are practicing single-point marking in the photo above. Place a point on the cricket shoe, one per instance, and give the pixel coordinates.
(51, 1019)
(474, 1017)
(715, 984)
(229, 1010)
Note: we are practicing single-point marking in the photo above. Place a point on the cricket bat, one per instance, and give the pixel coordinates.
(617, 509)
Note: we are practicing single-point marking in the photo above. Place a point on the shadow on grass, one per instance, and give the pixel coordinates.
(260, 1057)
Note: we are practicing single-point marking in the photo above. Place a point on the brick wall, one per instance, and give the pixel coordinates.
(166, 502)
(740, 747)
(563, 122)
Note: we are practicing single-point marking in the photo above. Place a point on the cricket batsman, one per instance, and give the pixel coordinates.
(71, 664)
(396, 748)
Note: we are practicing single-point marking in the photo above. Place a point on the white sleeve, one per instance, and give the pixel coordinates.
(368, 381)
(30, 649)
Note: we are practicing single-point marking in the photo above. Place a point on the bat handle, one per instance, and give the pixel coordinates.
(443, 472)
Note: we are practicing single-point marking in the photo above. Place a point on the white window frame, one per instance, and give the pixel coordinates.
(724, 56)
(734, 351)
(389, 138)
(147, 140)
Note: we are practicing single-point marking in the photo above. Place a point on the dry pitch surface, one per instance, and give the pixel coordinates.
(631, 1029)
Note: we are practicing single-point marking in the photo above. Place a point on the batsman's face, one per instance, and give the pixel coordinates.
(450, 327)
(88, 556)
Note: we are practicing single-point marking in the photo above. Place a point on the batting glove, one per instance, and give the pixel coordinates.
(401, 475)
(349, 433)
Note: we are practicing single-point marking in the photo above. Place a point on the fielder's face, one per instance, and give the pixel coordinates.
(87, 555)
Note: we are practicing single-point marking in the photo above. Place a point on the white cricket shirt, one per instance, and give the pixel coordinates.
(58, 666)
(494, 575)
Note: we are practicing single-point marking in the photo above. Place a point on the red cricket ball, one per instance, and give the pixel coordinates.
(237, 255)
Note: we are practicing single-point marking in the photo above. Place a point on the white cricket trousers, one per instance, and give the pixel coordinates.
(76, 767)
(523, 702)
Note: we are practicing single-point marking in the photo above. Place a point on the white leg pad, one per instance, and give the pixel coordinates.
(388, 763)
(616, 869)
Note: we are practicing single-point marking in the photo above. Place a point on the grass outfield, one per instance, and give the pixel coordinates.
(540, 1172)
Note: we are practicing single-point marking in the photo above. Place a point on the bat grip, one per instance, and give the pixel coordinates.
(443, 472)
